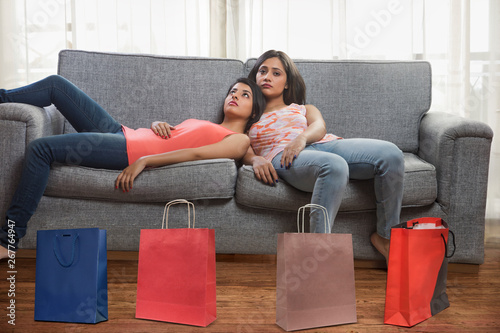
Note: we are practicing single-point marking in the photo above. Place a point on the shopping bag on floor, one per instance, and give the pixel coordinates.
(417, 271)
(314, 279)
(176, 275)
(71, 283)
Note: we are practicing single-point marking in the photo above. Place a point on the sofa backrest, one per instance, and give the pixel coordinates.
(139, 89)
(371, 99)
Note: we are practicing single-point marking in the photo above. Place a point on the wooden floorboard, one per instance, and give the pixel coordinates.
(246, 299)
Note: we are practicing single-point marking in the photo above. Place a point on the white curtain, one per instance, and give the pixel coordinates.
(34, 31)
(458, 37)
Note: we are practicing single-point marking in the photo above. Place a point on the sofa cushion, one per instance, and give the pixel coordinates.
(207, 179)
(420, 189)
(383, 100)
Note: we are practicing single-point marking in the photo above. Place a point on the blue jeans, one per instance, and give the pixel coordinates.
(325, 169)
(100, 143)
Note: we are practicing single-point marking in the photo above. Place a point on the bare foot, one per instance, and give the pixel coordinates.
(4, 253)
(381, 244)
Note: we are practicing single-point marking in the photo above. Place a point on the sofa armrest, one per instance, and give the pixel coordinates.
(459, 148)
(38, 122)
(19, 125)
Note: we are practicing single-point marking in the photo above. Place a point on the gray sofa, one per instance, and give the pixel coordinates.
(446, 157)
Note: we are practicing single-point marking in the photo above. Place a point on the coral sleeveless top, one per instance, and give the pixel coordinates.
(191, 133)
(275, 129)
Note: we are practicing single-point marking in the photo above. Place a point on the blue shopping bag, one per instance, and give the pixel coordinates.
(71, 276)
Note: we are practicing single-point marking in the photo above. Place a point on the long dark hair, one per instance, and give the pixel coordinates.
(258, 101)
(296, 92)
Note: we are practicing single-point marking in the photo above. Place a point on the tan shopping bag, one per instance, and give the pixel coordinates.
(315, 278)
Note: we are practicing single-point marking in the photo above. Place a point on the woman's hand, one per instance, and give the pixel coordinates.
(292, 150)
(125, 180)
(264, 170)
(162, 129)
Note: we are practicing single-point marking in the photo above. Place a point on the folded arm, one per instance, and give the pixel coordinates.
(233, 146)
(315, 131)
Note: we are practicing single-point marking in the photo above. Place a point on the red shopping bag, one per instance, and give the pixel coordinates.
(176, 275)
(417, 271)
(314, 279)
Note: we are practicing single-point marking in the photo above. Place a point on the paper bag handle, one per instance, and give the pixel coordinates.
(56, 250)
(303, 209)
(190, 206)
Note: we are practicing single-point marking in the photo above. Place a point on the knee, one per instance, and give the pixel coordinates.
(335, 167)
(37, 149)
(34, 146)
(392, 159)
(395, 157)
(56, 80)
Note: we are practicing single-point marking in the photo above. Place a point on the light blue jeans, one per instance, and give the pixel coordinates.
(325, 169)
(99, 143)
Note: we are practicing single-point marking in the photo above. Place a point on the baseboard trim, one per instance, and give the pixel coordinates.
(266, 258)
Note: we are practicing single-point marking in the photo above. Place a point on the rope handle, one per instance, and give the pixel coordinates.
(190, 206)
(446, 245)
(303, 209)
(59, 259)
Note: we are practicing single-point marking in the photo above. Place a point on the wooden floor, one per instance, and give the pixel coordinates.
(246, 299)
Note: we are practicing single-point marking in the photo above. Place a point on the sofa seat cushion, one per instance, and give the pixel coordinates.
(420, 189)
(207, 179)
